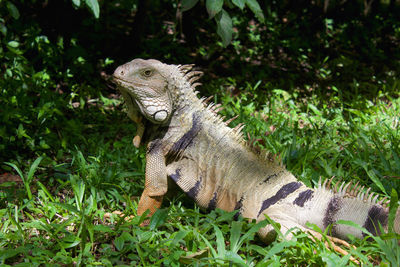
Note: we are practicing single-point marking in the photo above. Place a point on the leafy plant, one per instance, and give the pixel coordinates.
(93, 5)
(221, 16)
(27, 177)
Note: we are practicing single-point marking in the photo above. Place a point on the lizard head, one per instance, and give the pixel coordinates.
(144, 86)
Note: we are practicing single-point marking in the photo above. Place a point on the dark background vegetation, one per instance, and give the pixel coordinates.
(58, 103)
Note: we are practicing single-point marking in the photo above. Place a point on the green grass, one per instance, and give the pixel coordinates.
(69, 145)
(62, 213)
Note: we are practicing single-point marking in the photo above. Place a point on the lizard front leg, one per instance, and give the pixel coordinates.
(156, 184)
(136, 116)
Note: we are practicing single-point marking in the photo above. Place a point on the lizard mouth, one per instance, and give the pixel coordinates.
(122, 83)
(133, 100)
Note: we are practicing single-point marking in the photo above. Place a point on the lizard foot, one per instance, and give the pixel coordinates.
(333, 244)
(108, 215)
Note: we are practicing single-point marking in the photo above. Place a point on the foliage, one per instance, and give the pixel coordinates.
(316, 85)
(222, 18)
(93, 5)
(74, 222)
(44, 84)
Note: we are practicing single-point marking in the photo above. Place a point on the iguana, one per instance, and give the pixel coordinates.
(192, 145)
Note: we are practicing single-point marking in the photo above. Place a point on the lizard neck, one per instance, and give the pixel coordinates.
(185, 99)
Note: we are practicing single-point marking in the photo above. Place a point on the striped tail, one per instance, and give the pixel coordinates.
(349, 203)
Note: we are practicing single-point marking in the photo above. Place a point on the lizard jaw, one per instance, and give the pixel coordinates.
(155, 113)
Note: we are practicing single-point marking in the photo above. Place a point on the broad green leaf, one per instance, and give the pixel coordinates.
(214, 7)
(255, 7)
(94, 7)
(13, 44)
(208, 244)
(91, 204)
(188, 4)
(126, 236)
(15, 221)
(225, 216)
(158, 218)
(179, 236)
(79, 191)
(224, 27)
(144, 236)
(253, 229)
(90, 230)
(278, 247)
(236, 230)
(375, 179)
(315, 109)
(143, 217)
(220, 241)
(13, 10)
(25, 180)
(286, 96)
(333, 260)
(259, 249)
(239, 3)
(76, 3)
(235, 258)
(21, 132)
(102, 228)
(17, 169)
(66, 245)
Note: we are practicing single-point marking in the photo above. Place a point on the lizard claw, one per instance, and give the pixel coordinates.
(136, 141)
(331, 243)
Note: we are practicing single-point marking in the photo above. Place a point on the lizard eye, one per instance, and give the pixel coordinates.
(147, 73)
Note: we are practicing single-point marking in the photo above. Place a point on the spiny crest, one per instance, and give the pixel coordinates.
(190, 75)
(227, 122)
(185, 68)
(237, 132)
(214, 109)
(353, 191)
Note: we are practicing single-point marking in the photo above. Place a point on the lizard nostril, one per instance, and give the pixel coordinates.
(122, 73)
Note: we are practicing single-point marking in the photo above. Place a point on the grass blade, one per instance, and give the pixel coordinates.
(25, 180)
(45, 191)
(18, 170)
(394, 204)
(252, 231)
(220, 242)
(236, 230)
(33, 168)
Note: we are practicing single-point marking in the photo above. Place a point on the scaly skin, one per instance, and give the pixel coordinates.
(190, 144)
